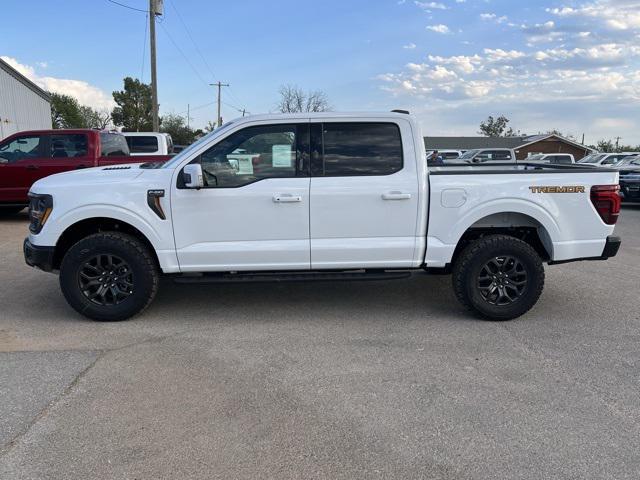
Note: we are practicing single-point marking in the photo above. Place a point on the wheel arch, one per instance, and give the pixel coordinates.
(517, 224)
(83, 228)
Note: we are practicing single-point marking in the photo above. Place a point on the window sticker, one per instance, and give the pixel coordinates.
(282, 156)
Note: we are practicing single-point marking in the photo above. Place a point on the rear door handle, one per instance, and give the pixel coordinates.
(32, 167)
(286, 198)
(396, 196)
(81, 166)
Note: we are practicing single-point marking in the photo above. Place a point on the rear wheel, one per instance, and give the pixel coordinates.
(109, 276)
(498, 277)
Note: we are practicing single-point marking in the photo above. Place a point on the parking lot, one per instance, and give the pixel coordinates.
(323, 380)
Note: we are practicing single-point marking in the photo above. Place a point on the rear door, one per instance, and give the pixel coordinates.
(20, 159)
(65, 151)
(364, 195)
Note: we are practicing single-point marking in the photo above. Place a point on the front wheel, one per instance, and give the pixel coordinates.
(498, 277)
(109, 276)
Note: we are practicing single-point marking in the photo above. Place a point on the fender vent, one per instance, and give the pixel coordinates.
(123, 167)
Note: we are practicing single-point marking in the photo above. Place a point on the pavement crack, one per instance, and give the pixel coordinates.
(7, 447)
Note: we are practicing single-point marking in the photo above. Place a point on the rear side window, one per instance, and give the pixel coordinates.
(563, 159)
(113, 145)
(361, 149)
(139, 144)
(68, 146)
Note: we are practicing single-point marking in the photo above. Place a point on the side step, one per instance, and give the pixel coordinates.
(263, 277)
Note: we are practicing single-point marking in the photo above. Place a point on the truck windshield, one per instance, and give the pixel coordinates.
(194, 146)
(592, 158)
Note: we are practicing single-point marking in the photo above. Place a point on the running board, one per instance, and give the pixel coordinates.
(263, 277)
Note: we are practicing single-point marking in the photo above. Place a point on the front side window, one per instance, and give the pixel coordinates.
(68, 145)
(252, 154)
(21, 148)
(139, 144)
(361, 149)
(113, 145)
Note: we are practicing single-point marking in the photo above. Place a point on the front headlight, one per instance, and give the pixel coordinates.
(40, 207)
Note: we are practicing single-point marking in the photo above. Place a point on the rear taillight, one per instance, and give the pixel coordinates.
(606, 200)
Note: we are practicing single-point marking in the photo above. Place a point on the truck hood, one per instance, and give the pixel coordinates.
(113, 174)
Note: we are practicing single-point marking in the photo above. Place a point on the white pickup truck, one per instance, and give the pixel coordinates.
(328, 197)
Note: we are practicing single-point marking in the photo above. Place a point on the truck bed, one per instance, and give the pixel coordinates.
(552, 199)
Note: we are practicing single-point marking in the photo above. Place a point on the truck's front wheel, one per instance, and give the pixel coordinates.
(498, 277)
(109, 276)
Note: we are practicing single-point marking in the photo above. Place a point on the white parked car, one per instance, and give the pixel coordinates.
(488, 155)
(329, 197)
(555, 158)
(149, 143)
(604, 159)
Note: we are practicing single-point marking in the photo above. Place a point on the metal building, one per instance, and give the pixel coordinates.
(23, 105)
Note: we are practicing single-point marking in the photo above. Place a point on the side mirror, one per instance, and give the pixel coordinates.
(192, 176)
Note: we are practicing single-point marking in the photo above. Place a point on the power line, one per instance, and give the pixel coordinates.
(127, 6)
(195, 44)
(183, 55)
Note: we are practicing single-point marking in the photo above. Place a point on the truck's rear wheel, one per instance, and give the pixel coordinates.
(498, 277)
(109, 276)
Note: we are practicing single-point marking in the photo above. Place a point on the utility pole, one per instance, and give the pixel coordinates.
(155, 8)
(617, 142)
(188, 117)
(219, 85)
(244, 111)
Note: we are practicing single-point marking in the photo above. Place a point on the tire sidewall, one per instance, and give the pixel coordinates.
(532, 265)
(86, 249)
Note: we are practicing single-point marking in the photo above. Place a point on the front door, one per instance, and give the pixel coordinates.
(20, 158)
(364, 195)
(253, 213)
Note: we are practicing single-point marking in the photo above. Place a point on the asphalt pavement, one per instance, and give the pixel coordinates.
(323, 380)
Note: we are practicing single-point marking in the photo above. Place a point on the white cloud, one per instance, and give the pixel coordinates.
(86, 93)
(439, 28)
(616, 14)
(431, 5)
(409, 46)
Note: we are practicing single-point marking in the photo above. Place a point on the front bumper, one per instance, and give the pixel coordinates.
(38, 256)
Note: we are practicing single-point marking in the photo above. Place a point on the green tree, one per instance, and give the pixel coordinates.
(134, 112)
(95, 118)
(606, 146)
(497, 127)
(66, 112)
(175, 126)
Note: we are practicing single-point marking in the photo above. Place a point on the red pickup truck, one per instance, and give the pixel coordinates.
(29, 156)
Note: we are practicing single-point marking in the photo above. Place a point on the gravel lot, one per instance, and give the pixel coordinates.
(343, 380)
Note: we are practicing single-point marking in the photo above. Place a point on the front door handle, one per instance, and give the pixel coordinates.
(81, 166)
(32, 167)
(286, 198)
(396, 196)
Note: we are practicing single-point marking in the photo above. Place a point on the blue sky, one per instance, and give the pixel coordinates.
(573, 65)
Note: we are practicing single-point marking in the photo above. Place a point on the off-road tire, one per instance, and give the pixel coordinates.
(140, 261)
(471, 261)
